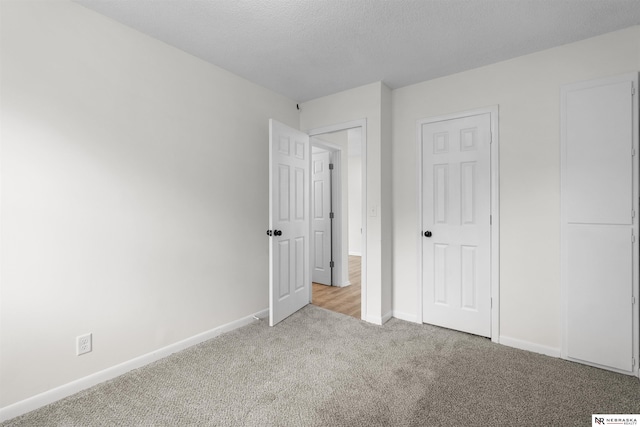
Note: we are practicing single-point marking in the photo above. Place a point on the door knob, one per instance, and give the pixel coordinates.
(277, 232)
(427, 234)
(269, 233)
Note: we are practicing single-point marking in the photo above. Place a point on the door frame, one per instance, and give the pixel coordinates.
(493, 111)
(362, 124)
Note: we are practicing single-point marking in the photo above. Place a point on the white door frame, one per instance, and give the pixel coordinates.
(495, 211)
(362, 123)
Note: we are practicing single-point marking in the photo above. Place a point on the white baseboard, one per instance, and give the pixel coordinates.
(406, 317)
(50, 396)
(378, 320)
(343, 285)
(529, 346)
(338, 285)
(386, 317)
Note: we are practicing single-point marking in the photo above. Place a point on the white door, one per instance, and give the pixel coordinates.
(289, 278)
(599, 195)
(320, 221)
(456, 185)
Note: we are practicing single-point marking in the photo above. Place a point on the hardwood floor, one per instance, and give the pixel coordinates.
(343, 300)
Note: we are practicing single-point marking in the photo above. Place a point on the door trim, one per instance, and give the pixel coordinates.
(361, 123)
(493, 111)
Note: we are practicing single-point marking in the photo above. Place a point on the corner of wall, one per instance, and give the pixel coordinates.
(386, 196)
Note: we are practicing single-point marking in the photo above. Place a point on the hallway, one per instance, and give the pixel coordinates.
(344, 300)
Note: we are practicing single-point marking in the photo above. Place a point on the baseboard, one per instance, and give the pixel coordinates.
(338, 285)
(386, 317)
(343, 285)
(376, 320)
(379, 320)
(406, 317)
(50, 396)
(529, 346)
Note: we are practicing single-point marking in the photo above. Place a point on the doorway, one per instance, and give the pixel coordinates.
(337, 237)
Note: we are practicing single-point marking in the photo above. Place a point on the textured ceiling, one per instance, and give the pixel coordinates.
(305, 49)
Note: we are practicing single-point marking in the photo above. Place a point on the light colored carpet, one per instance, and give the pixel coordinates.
(320, 368)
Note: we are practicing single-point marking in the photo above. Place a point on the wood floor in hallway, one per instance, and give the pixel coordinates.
(342, 300)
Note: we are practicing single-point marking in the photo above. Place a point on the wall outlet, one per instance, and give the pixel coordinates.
(83, 344)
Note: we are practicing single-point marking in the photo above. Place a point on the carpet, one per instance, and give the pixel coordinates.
(320, 368)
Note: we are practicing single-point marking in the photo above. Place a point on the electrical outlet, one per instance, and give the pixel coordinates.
(83, 344)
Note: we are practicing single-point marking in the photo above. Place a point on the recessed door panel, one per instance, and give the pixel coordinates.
(599, 172)
(599, 272)
(468, 283)
(284, 146)
(440, 142)
(284, 193)
(469, 139)
(318, 237)
(318, 200)
(301, 200)
(467, 192)
(440, 274)
(284, 269)
(441, 193)
(300, 265)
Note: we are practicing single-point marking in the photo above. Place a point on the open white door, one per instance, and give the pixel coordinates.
(321, 221)
(289, 226)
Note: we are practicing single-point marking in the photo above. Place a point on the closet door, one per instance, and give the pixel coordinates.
(599, 197)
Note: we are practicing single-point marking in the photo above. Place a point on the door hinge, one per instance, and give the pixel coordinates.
(633, 362)
(331, 264)
(633, 213)
(490, 137)
(491, 302)
(633, 152)
(633, 238)
(490, 219)
(633, 300)
(331, 215)
(330, 166)
(633, 89)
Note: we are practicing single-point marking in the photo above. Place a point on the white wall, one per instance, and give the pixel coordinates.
(386, 207)
(370, 102)
(134, 194)
(527, 90)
